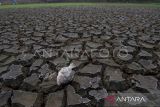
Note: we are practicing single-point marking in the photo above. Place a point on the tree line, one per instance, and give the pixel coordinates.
(129, 1)
(40, 1)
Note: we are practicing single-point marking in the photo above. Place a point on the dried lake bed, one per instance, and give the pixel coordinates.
(85, 32)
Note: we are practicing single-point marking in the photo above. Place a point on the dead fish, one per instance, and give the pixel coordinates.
(66, 74)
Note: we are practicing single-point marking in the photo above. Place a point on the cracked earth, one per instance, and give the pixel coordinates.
(24, 31)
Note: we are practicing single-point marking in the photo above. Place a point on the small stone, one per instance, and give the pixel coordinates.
(55, 99)
(155, 38)
(5, 41)
(83, 81)
(86, 35)
(4, 98)
(92, 69)
(108, 33)
(96, 33)
(117, 42)
(13, 49)
(70, 35)
(109, 61)
(98, 94)
(47, 86)
(37, 47)
(95, 82)
(129, 49)
(134, 66)
(59, 61)
(105, 37)
(93, 45)
(25, 57)
(31, 83)
(114, 74)
(44, 70)
(146, 45)
(60, 38)
(73, 98)
(14, 76)
(125, 57)
(29, 42)
(77, 63)
(107, 45)
(8, 60)
(74, 47)
(3, 69)
(144, 54)
(144, 38)
(132, 43)
(38, 34)
(2, 57)
(116, 31)
(158, 54)
(36, 64)
(147, 82)
(25, 99)
(87, 82)
(4, 47)
(129, 91)
(118, 85)
(147, 64)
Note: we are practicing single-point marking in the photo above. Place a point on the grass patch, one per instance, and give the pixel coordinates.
(46, 5)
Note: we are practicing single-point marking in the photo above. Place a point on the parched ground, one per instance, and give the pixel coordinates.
(116, 50)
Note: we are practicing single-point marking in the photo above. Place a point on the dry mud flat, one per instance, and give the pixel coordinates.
(26, 33)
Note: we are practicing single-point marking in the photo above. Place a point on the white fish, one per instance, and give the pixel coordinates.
(66, 74)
